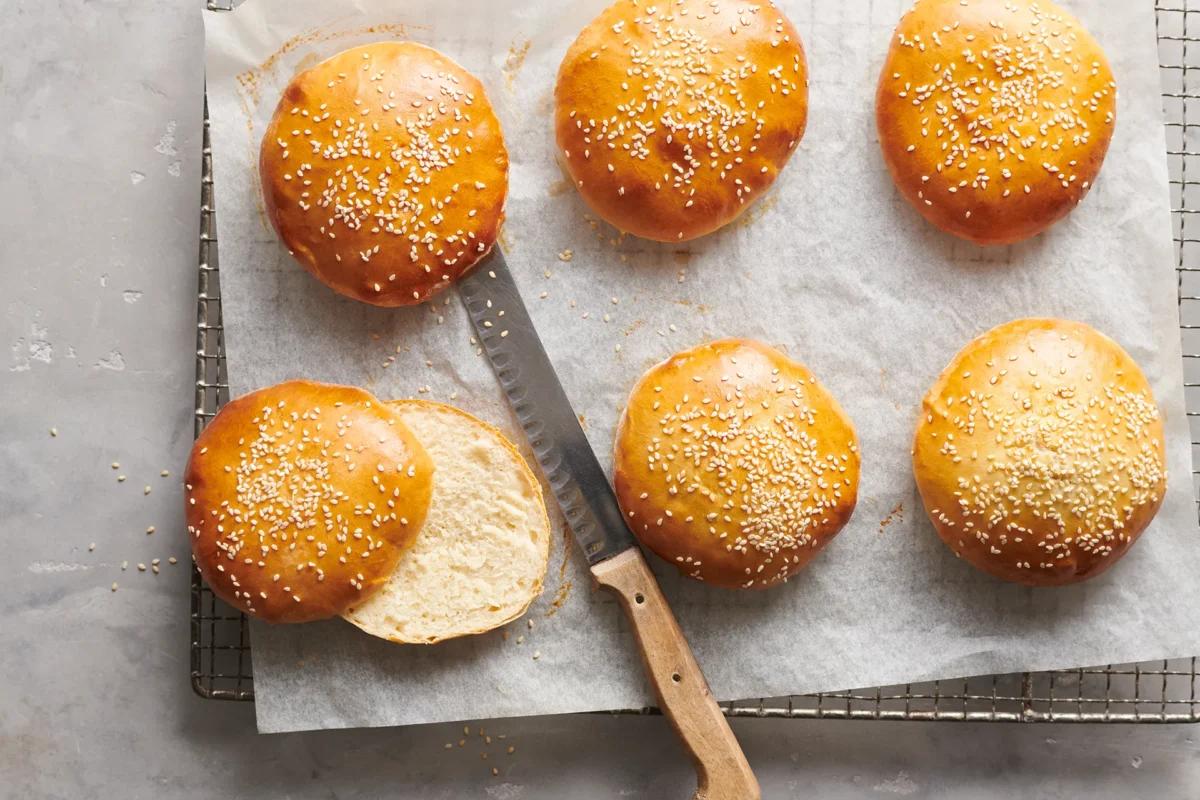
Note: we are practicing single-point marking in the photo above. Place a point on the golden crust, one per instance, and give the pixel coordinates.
(385, 173)
(733, 463)
(994, 116)
(321, 485)
(1040, 455)
(672, 117)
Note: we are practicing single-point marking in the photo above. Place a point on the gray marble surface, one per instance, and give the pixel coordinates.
(99, 164)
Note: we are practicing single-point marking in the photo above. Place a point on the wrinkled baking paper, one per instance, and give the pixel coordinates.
(831, 266)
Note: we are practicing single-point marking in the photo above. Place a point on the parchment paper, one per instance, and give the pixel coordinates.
(831, 265)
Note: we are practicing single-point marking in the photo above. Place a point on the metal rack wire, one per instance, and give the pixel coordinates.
(1159, 691)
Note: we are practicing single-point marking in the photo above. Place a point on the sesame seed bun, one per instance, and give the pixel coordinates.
(301, 499)
(1039, 454)
(733, 463)
(672, 117)
(384, 172)
(994, 115)
(481, 557)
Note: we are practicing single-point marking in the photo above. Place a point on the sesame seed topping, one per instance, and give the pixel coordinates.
(282, 514)
(387, 186)
(1040, 460)
(763, 463)
(701, 121)
(985, 100)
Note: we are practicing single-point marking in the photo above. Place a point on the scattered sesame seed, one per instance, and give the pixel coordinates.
(398, 171)
(683, 101)
(1008, 102)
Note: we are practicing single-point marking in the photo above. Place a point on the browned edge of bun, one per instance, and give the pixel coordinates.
(734, 464)
(385, 173)
(1040, 455)
(994, 116)
(301, 497)
(672, 119)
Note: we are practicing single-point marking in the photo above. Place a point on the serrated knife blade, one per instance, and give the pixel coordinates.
(531, 385)
(543, 410)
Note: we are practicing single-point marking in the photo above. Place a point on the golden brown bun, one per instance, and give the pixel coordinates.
(384, 172)
(1039, 455)
(673, 116)
(301, 499)
(994, 115)
(734, 464)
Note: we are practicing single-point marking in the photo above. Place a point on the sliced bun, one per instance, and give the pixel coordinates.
(384, 172)
(673, 117)
(734, 464)
(1040, 453)
(300, 499)
(481, 558)
(994, 115)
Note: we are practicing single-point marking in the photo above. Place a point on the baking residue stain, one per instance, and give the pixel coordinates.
(513, 63)
(758, 210)
(560, 597)
(504, 240)
(895, 515)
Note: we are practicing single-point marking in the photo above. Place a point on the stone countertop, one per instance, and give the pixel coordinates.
(100, 107)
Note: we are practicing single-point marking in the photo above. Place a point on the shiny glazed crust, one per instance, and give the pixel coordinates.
(1039, 454)
(733, 463)
(384, 172)
(994, 115)
(672, 117)
(301, 497)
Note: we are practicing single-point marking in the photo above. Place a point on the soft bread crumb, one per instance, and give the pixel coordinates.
(482, 554)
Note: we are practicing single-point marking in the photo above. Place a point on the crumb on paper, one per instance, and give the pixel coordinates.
(895, 515)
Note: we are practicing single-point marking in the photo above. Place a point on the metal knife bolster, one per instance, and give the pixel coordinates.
(529, 381)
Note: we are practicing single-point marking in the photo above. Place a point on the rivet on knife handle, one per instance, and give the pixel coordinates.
(683, 693)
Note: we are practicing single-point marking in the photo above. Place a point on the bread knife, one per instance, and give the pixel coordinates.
(507, 336)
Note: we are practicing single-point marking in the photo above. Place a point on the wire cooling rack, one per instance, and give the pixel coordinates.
(1157, 691)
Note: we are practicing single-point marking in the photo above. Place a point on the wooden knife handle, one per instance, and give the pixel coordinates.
(682, 691)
